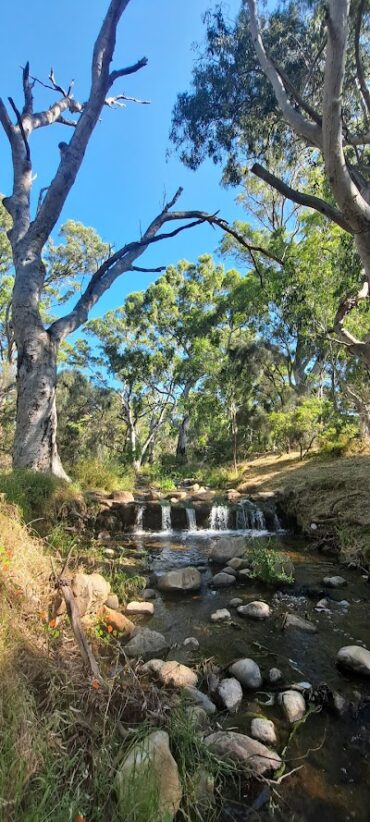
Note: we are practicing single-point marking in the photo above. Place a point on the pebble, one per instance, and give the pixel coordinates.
(274, 675)
(191, 643)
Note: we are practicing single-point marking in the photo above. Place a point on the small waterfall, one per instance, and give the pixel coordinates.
(166, 519)
(257, 520)
(242, 521)
(191, 519)
(139, 520)
(276, 523)
(219, 517)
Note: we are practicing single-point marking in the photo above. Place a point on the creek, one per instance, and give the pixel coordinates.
(332, 752)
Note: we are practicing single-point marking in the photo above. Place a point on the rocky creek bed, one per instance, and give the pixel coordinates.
(308, 622)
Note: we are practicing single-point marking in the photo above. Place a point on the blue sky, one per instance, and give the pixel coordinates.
(126, 174)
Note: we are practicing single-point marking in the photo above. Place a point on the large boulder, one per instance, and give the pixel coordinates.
(148, 780)
(247, 673)
(180, 579)
(224, 549)
(355, 658)
(293, 705)
(146, 644)
(247, 754)
(254, 610)
(230, 694)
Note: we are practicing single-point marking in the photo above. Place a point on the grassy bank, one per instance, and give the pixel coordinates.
(331, 494)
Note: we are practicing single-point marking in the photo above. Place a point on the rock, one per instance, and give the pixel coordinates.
(247, 673)
(293, 621)
(293, 704)
(148, 593)
(150, 762)
(181, 579)
(109, 552)
(153, 666)
(201, 699)
(118, 621)
(354, 658)
(122, 496)
(173, 673)
(234, 603)
(230, 694)
(191, 643)
(334, 582)
(245, 752)
(274, 675)
(245, 575)
(322, 605)
(232, 494)
(145, 643)
(230, 571)
(340, 704)
(254, 610)
(104, 536)
(198, 717)
(195, 487)
(146, 608)
(220, 615)
(112, 602)
(302, 687)
(263, 730)
(90, 592)
(222, 580)
(223, 550)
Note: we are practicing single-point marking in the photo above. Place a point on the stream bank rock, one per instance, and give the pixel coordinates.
(146, 608)
(201, 699)
(230, 694)
(150, 764)
(293, 621)
(118, 621)
(146, 644)
(177, 675)
(247, 753)
(181, 579)
(247, 673)
(221, 615)
(355, 658)
(222, 580)
(223, 550)
(293, 705)
(263, 730)
(254, 610)
(90, 592)
(334, 582)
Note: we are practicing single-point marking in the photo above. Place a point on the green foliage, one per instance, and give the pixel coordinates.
(268, 565)
(338, 440)
(60, 541)
(91, 473)
(126, 587)
(29, 490)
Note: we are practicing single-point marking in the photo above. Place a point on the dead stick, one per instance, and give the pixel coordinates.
(77, 628)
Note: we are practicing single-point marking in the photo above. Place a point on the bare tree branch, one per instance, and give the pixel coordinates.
(128, 70)
(300, 197)
(359, 67)
(310, 131)
(148, 270)
(22, 131)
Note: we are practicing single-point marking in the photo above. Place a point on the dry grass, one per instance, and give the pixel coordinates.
(332, 493)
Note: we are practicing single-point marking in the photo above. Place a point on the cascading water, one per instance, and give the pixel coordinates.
(166, 519)
(191, 519)
(139, 520)
(219, 518)
(257, 520)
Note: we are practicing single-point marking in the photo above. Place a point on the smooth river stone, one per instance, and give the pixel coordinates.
(334, 582)
(181, 579)
(254, 610)
(221, 615)
(293, 704)
(263, 730)
(146, 608)
(247, 673)
(355, 658)
(245, 752)
(230, 694)
(222, 580)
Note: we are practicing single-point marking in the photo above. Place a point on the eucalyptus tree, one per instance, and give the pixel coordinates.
(292, 81)
(37, 341)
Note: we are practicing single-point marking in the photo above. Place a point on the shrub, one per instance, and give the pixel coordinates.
(91, 473)
(29, 490)
(269, 565)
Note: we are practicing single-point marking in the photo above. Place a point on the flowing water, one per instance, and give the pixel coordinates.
(332, 753)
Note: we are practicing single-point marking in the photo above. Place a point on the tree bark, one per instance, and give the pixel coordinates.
(182, 440)
(35, 445)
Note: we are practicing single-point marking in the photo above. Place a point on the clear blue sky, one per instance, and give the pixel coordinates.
(125, 173)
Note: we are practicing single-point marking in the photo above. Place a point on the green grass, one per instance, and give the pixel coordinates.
(267, 564)
(94, 474)
(30, 491)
